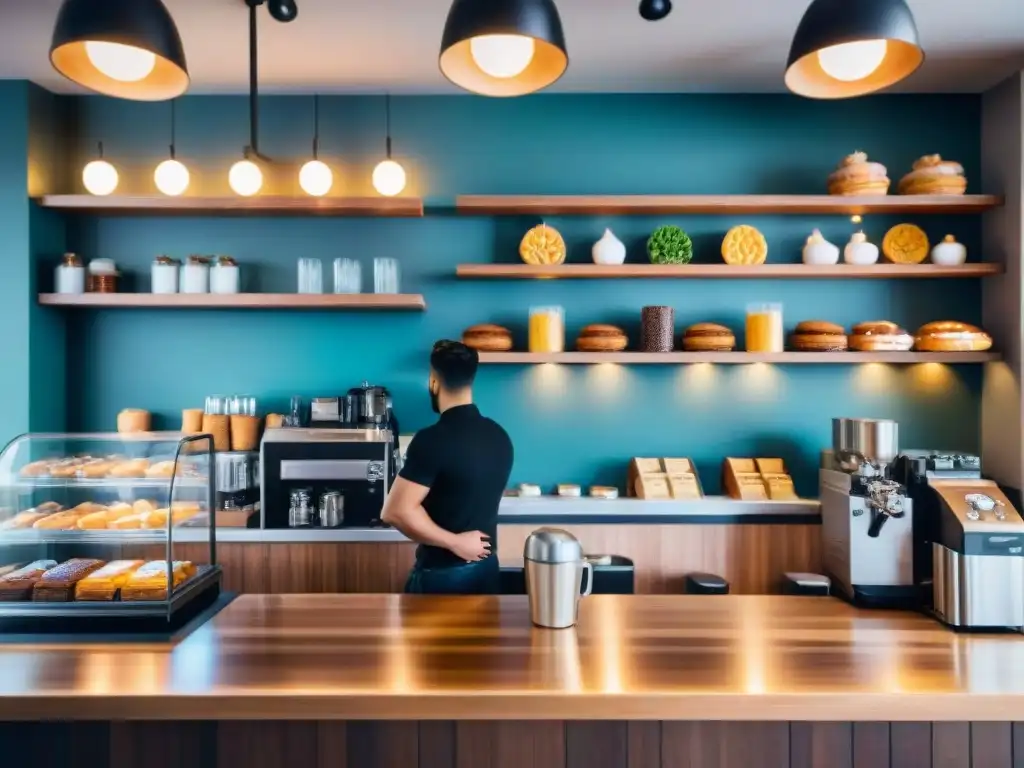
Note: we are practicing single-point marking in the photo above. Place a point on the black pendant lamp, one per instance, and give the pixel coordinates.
(503, 47)
(845, 48)
(128, 49)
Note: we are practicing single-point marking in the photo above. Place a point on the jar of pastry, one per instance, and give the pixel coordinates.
(547, 329)
(195, 275)
(70, 275)
(764, 328)
(164, 274)
(103, 276)
(224, 276)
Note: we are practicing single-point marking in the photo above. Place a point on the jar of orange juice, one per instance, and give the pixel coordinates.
(764, 328)
(547, 329)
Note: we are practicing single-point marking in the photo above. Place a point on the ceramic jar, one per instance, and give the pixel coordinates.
(224, 276)
(70, 275)
(818, 250)
(164, 274)
(103, 276)
(195, 275)
(609, 249)
(859, 251)
(949, 253)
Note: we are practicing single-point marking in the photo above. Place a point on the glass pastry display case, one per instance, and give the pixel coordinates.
(106, 526)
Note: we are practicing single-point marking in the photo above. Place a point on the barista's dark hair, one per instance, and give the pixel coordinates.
(454, 363)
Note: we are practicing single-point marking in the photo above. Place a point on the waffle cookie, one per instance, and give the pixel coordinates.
(743, 245)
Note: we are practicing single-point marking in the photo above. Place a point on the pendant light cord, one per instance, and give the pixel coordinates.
(253, 149)
(99, 149)
(387, 124)
(316, 126)
(174, 133)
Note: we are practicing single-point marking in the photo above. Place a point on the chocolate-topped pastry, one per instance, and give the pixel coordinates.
(58, 583)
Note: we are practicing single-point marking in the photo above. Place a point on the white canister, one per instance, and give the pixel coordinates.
(224, 276)
(164, 274)
(195, 275)
(609, 249)
(859, 251)
(818, 250)
(70, 275)
(949, 253)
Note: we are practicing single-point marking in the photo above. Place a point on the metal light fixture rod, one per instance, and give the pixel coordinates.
(174, 132)
(253, 149)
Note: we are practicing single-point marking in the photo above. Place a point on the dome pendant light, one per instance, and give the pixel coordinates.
(99, 176)
(315, 177)
(843, 49)
(388, 176)
(655, 10)
(503, 47)
(171, 177)
(128, 49)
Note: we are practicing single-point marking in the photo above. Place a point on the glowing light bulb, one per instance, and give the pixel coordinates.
(99, 177)
(388, 178)
(502, 56)
(171, 177)
(125, 63)
(316, 178)
(852, 61)
(246, 178)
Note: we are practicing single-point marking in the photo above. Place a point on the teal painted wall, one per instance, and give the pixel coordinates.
(569, 425)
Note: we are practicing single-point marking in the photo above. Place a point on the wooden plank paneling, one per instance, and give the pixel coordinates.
(1018, 745)
(383, 744)
(267, 744)
(870, 745)
(951, 745)
(596, 744)
(724, 745)
(752, 557)
(910, 745)
(335, 567)
(510, 744)
(644, 745)
(437, 744)
(49, 744)
(991, 745)
(163, 745)
(821, 745)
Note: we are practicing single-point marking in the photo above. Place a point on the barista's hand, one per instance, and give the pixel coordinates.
(471, 546)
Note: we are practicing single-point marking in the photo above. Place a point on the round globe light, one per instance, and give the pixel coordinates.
(316, 178)
(171, 177)
(124, 63)
(245, 178)
(99, 177)
(389, 178)
(502, 56)
(850, 62)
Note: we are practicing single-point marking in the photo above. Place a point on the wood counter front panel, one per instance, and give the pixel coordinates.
(509, 744)
(752, 557)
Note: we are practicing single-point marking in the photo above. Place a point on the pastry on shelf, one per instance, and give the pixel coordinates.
(906, 244)
(708, 337)
(818, 336)
(931, 175)
(95, 469)
(160, 469)
(669, 245)
(570, 490)
(542, 245)
(880, 336)
(37, 468)
(859, 251)
(133, 420)
(17, 585)
(487, 337)
(602, 338)
(744, 245)
(57, 585)
(65, 520)
(103, 518)
(150, 581)
(857, 176)
(104, 583)
(951, 336)
(604, 492)
(68, 468)
(818, 250)
(30, 517)
(949, 253)
(130, 468)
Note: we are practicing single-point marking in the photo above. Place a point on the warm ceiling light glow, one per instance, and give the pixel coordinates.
(171, 177)
(123, 63)
(316, 178)
(389, 178)
(245, 178)
(99, 177)
(852, 61)
(502, 56)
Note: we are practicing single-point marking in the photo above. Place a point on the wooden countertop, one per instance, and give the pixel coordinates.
(638, 657)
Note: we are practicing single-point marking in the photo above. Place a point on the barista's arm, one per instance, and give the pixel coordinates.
(404, 510)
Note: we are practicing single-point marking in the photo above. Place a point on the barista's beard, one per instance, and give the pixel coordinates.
(434, 402)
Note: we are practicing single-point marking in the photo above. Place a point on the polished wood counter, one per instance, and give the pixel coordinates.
(383, 657)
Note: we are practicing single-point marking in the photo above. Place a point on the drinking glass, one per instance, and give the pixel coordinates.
(385, 276)
(547, 329)
(348, 276)
(241, 405)
(764, 328)
(311, 276)
(216, 405)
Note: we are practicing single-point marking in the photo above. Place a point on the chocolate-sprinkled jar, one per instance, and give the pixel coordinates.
(657, 329)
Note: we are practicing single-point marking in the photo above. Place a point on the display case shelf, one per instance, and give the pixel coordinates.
(721, 271)
(737, 358)
(265, 301)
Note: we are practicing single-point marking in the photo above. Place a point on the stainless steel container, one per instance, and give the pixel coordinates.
(554, 576)
(860, 441)
(332, 509)
(237, 470)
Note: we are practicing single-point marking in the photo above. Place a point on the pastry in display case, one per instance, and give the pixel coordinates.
(111, 526)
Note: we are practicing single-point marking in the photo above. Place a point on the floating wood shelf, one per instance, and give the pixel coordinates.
(721, 204)
(236, 206)
(322, 301)
(715, 271)
(782, 358)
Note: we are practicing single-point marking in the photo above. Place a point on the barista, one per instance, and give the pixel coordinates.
(446, 497)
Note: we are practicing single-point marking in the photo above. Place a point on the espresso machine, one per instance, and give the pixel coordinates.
(968, 541)
(867, 516)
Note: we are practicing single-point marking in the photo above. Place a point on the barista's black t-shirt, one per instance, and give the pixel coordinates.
(465, 459)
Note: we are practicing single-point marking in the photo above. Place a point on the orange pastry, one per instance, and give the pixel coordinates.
(931, 175)
(906, 244)
(856, 176)
(951, 336)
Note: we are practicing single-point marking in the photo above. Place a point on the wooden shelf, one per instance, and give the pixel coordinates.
(783, 358)
(715, 271)
(236, 206)
(322, 301)
(721, 204)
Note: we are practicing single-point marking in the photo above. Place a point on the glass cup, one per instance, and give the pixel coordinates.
(348, 276)
(241, 405)
(311, 276)
(385, 276)
(764, 328)
(216, 405)
(547, 329)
